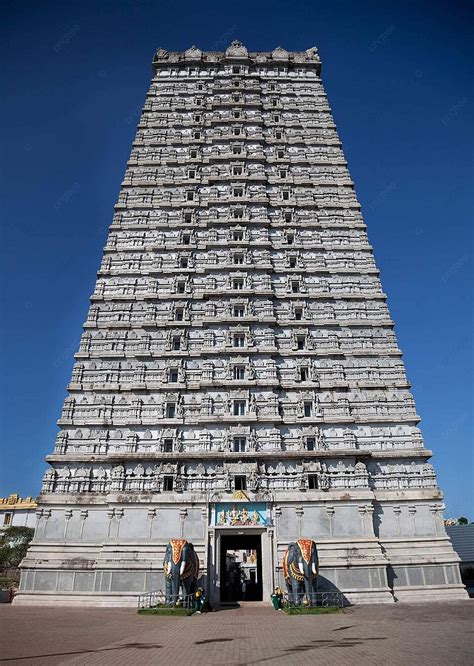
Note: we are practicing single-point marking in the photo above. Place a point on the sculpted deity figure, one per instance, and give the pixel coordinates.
(253, 440)
(253, 481)
(253, 407)
(228, 481)
(324, 478)
(234, 516)
(244, 516)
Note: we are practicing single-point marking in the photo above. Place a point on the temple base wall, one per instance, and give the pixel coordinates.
(89, 556)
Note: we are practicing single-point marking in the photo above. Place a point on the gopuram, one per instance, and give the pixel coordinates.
(238, 384)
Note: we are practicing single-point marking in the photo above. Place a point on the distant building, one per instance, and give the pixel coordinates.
(17, 511)
(462, 538)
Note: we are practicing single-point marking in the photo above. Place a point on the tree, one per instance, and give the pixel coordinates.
(463, 521)
(14, 545)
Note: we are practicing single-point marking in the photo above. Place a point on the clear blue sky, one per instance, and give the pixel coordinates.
(398, 79)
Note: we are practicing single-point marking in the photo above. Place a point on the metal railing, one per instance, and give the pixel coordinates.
(159, 598)
(322, 599)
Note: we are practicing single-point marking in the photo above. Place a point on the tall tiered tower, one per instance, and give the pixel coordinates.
(238, 382)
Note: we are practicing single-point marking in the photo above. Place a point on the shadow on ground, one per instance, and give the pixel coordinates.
(122, 646)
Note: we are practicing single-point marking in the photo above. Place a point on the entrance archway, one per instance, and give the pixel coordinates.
(241, 568)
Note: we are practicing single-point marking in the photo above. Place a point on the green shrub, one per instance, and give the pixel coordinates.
(166, 610)
(311, 610)
(14, 545)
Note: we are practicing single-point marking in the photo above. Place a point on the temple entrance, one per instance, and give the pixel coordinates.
(241, 568)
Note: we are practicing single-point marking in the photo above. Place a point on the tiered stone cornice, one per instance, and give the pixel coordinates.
(237, 296)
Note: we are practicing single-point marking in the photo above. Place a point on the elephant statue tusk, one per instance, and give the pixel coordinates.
(168, 567)
(181, 568)
(301, 567)
(313, 568)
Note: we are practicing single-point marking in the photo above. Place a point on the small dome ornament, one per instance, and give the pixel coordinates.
(193, 53)
(280, 54)
(236, 50)
(161, 54)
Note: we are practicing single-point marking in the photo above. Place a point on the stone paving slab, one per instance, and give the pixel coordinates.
(394, 635)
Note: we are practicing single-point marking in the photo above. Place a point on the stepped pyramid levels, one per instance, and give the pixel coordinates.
(238, 355)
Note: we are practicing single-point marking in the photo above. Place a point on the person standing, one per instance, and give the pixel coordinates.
(277, 598)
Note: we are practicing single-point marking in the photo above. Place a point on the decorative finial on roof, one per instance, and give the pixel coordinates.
(193, 52)
(280, 54)
(312, 52)
(161, 53)
(237, 50)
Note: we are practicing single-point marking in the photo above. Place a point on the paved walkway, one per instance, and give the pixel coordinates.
(389, 634)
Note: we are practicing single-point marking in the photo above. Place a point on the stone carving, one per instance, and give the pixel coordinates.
(300, 570)
(254, 481)
(181, 569)
(312, 53)
(161, 54)
(193, 53)
(236, 50)
(280, 54)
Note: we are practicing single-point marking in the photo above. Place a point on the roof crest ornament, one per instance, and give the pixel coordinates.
(161, 53)
(237, 50)
(280, 54)
(312, 52)
(193, 53)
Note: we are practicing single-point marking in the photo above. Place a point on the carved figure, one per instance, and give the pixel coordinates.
(300, 569)
(234, 516)
(181, 569)
(324, 481)
(254, 481)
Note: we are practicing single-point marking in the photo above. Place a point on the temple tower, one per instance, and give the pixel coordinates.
(238, 382)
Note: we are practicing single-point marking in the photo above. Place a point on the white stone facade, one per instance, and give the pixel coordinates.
(16, 511)
(238, 338)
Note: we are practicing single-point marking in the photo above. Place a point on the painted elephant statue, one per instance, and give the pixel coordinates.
(300, 569)
(181, 569)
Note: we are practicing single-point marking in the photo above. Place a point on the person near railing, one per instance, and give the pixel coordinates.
(199, 600)
(277, 598)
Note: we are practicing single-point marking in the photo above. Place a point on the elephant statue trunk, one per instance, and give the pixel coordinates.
(180, 568)
(300, 569)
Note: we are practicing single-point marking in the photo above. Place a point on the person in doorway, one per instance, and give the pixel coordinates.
(243, 585)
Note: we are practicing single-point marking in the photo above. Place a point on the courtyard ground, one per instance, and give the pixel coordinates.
(433, 633)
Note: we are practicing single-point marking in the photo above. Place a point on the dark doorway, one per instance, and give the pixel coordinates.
(241, 568)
